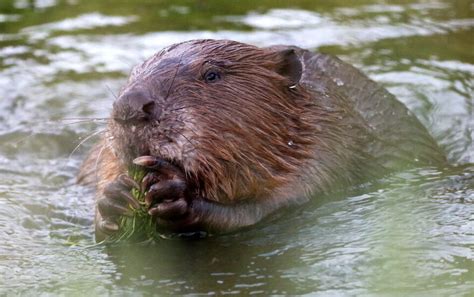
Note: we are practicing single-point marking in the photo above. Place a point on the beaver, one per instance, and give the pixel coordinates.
(231, 133)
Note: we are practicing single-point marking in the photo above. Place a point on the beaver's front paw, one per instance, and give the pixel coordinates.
(117, 201)
(168, 196)
(174, 213)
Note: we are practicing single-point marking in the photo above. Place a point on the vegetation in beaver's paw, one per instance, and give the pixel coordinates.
(140, 226)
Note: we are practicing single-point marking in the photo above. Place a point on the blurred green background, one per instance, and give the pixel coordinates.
(61, 62)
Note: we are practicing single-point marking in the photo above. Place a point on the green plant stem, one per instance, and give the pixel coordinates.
(140, 226)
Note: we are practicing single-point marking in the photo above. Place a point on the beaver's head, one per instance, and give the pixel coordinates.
(232, 115)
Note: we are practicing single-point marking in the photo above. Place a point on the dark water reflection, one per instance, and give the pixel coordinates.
(61, 61)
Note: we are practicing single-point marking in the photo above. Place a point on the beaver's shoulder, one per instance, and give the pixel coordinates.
(399, 138)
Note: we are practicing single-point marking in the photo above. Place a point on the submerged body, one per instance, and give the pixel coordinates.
(235, 132)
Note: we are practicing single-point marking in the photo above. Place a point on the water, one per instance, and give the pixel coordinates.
(62, 61)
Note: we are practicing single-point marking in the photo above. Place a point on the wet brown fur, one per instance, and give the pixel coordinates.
(249, 136)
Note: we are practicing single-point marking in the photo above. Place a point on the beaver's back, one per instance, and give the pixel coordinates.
(399, 139)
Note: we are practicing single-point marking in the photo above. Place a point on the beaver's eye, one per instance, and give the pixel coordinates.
(211, 76)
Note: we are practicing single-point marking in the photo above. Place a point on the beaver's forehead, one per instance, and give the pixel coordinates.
(182, 57)
(183, 51)
(188, 57)
(202, 50)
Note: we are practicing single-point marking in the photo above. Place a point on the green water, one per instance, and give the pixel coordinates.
(63, 61)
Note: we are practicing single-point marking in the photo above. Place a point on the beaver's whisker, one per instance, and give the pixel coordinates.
(30, 134)
(81, 119)
(111, 92)
(183, 151)
(84, 140)
(177, 132)
(186, 106)
(186, 139)
(174, 76)
(37, 127)
(103, 147)
(78, 122)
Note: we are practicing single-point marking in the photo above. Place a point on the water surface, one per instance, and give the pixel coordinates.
(63, 61)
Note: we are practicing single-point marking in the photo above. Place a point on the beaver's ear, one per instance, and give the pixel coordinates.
(289, 66)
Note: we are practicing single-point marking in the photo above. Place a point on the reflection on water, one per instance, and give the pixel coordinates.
(62, 61)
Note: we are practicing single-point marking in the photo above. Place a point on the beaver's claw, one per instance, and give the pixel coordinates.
(117, 201)
(168, 197)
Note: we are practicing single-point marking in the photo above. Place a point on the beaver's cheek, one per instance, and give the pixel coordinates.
(128, 143)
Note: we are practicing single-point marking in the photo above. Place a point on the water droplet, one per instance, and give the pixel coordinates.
(339, 82)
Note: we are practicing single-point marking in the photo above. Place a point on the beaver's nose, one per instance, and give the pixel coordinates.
(135, 106)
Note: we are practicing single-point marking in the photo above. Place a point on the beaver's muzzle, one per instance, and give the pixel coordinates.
(135, 106)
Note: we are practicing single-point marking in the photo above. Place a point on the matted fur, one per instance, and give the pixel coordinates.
(237, 138)
(253, 134)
